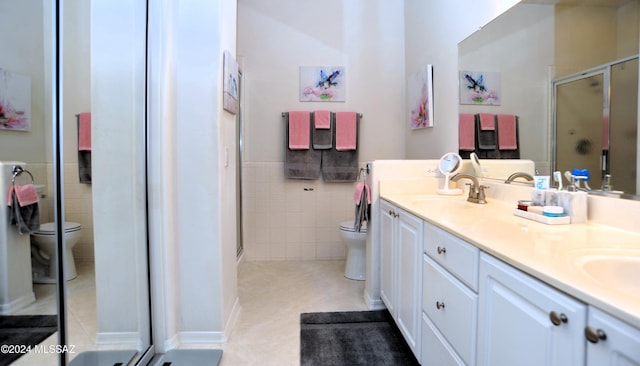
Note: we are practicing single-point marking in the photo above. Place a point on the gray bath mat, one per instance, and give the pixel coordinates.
(352, 338)
(24, 330)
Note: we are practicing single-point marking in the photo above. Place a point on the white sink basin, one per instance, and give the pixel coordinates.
(619, 269)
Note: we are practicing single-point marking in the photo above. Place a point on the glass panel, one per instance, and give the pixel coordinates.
(624, 126)
(579, 126)
(105, 179)
(28, 307)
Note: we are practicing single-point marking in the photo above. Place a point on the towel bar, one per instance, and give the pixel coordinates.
(17, 170)
(284, 114)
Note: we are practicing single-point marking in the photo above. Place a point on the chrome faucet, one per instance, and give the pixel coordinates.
(476, 191)
(515, 175)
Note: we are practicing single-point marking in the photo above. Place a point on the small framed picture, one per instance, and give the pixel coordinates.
(420, 98)
(322, 84)
(230, 84)
(480, 87)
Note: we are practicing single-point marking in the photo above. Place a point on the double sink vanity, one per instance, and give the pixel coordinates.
(472, 284)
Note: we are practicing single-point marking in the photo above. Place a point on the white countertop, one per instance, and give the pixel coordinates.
(554, 254)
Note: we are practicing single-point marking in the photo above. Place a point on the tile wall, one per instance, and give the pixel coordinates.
(290, 219)
(78, 205)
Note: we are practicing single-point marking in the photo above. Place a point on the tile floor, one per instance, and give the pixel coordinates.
(272, 296)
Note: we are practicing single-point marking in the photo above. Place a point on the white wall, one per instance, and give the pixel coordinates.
(282, 220)
(433, 31)
(22, 44)
(525, 73)
(118, 152)
(192, 190)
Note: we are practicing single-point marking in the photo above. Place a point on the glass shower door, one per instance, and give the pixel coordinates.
(581, 113)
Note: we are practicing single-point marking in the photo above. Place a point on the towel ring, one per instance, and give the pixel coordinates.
(17, 170)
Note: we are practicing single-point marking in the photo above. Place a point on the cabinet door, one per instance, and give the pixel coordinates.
(409, 283)
(621, 343)
(387, 247)
(515, 326)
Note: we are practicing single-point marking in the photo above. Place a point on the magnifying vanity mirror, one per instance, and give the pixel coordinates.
(558, 60)
(449, 165)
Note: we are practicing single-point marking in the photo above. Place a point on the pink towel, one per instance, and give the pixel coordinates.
(507, 139)
(322, 120)
(346, 131)
(299, 130)
(84, 131)
(357, 195)
(27, 194)
(466, 132)
(487, 121)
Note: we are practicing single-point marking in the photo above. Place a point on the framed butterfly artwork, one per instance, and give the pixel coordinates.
(322, 84)
(480, 88)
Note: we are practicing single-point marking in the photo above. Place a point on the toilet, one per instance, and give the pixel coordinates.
(43, 248)
(356, 243)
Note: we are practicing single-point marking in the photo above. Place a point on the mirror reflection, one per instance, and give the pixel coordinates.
(106, 297)
(537, 43)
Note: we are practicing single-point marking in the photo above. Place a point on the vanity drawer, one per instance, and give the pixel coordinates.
(457, 256)
(436, 351)
(452, 307)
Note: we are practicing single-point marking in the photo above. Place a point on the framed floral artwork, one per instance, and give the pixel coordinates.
(420, 97)
(15, 101)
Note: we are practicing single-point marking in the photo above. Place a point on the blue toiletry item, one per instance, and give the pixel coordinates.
(581, 174)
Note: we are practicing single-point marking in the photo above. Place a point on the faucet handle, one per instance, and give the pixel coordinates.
(481, 195)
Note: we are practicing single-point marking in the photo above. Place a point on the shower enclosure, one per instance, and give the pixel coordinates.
(595, 124)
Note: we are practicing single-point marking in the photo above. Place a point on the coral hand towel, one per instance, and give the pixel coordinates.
(84, 131)
(507, 132)
(322, 120)
(346, 131)
(487, 121)
(299, 130)
(26, 194)
(466, 132)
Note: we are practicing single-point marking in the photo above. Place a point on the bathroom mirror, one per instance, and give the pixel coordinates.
(450, 164)
(539, 41)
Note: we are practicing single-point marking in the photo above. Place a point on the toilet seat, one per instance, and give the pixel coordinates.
(48, 228)
(348, 226)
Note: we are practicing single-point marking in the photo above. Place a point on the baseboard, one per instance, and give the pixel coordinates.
(12, 307)
(233, 318)
(124, 339)
(205, 339)
(187, 339)
(373, 304)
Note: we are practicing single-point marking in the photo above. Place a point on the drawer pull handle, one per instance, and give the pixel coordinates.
(439, 305)
(442, 250)
(594, 335)
(558, 319)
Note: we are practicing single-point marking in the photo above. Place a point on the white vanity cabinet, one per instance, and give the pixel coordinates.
(523, 321)
(611, 341)
(449, 299)
(400, 270)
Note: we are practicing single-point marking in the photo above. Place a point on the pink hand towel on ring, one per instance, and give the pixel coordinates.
(27, 194)
(357, 195)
